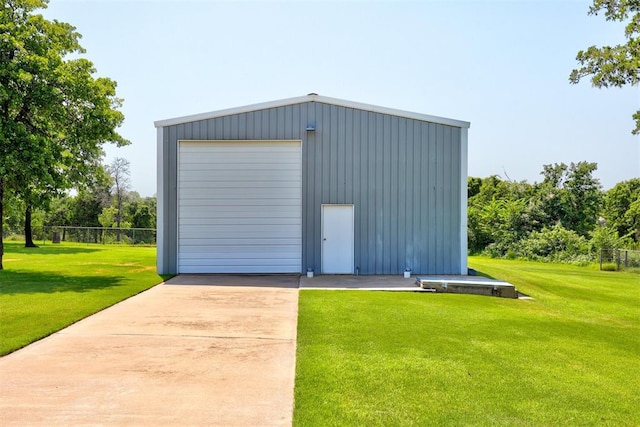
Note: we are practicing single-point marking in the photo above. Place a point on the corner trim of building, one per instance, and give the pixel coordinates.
(464, 147)
(160, 238)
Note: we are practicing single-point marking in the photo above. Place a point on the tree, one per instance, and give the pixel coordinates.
(571, 196)
(119, 170)
(28, 231)
(622, 208)
(55, 115)
(583, 198)
(614, 65)
(500, 214)
(85, 208)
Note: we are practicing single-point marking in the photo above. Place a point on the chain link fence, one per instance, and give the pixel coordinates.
(99, 235)
(619, 260)
(102, 235)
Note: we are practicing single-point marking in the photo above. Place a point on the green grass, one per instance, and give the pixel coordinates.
(44, 289)
(569, 356)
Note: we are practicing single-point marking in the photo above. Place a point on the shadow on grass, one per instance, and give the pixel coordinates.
(21, 282)
(18, 248)
(488, 276)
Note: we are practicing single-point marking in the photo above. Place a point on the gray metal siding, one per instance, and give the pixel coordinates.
(402, 175)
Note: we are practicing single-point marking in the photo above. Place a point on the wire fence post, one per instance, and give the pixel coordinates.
(626, 258)
(601, 258)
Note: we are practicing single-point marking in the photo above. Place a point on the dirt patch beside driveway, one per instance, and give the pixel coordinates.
(173, 355)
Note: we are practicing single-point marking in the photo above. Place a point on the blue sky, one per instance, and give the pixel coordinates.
(502, 65)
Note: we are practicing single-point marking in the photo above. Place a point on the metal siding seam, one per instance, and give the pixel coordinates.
(280, 131)
(308, 198)
(440, 200)
(455, 200)
(428, 220)
(326, 155)
(242, 126)
(372, 214)
(355, 186)
(275, 115)
(192, 128)
(198, 130)
(349, 161)
(226, 127)
(341, 157)
(262, 126)
(363, 189)
(449, 176)
(411, 175)
(395, 190)
(215, 129)
(301, 201)
(313, 198)
(318, 187)
(298, 119)
(386, 194)
(422, 172)
(208, 129)
(433, 188)
(402, 193)
(234, 130)
(333, 159)
(292, 122)
(379, 193)
(173, 199)
(250, 125)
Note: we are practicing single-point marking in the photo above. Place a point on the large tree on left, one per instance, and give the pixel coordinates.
(55, 115)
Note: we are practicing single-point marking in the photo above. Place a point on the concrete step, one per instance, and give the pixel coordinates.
(468, 285)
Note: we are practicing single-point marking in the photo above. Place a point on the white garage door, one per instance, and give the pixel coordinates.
(239, 207)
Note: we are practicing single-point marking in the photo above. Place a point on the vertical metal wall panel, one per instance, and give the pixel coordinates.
(170, 219)
(401, 174)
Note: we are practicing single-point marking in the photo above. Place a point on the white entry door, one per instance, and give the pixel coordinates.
(337, 239)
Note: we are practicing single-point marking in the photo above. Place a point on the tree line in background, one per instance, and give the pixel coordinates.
(567, 217)
(109, 202)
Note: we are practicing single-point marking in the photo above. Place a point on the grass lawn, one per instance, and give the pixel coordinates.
(45, 289)
(569, 356)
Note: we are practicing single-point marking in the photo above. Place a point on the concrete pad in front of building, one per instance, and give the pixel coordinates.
(367, 283)
(174, 355)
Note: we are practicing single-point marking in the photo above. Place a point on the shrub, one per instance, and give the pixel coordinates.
(606, 238)
(554, 244)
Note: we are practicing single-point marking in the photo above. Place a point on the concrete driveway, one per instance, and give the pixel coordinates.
(178, 354)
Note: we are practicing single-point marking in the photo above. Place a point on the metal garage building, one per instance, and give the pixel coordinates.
(312, 182)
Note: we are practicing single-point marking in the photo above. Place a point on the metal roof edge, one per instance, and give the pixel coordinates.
(311, 98)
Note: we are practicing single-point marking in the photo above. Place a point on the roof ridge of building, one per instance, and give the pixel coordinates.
(311, 97)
